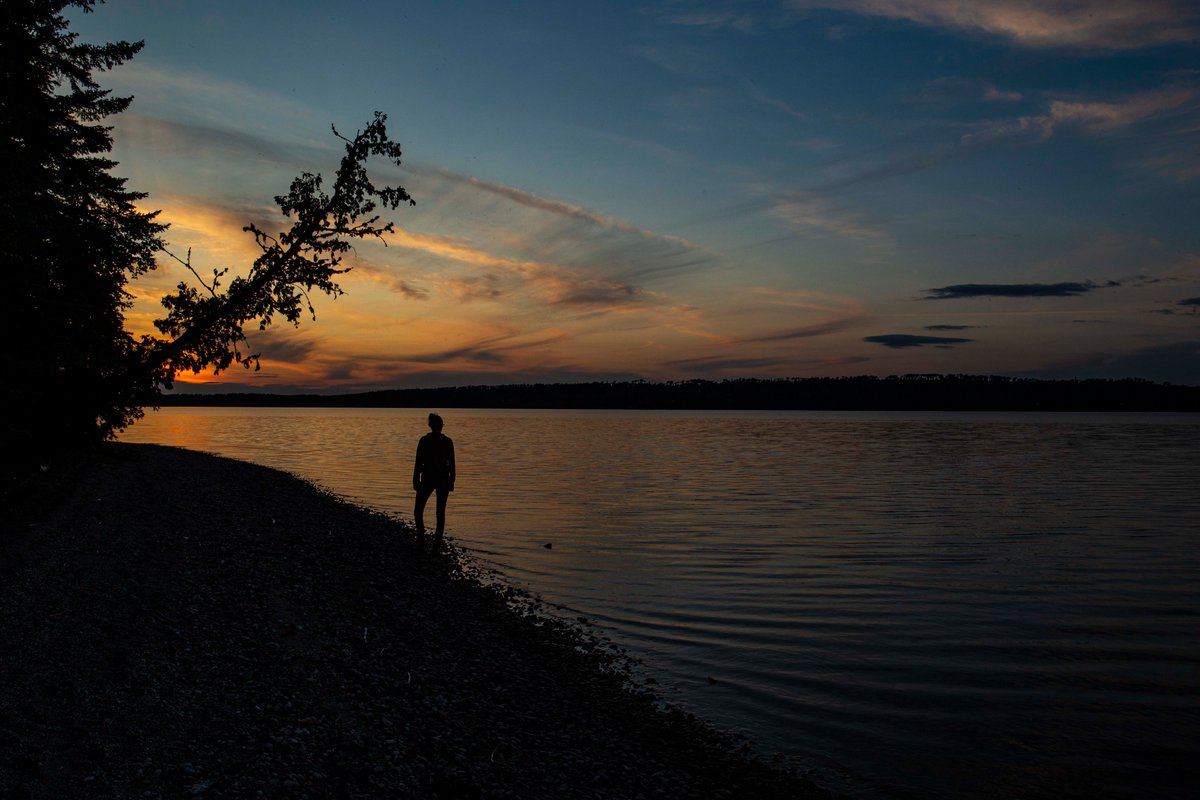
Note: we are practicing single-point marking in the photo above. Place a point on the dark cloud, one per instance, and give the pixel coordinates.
(948, 327)
(476, 287)
(648, 264)
(898, 340)
(486, 352)
(962, 290)
(403, 287)
(801, 333)
(340, 372)
(1190, 301)
(383, 275)
(476, 353)
(285, 348)
(593, 294)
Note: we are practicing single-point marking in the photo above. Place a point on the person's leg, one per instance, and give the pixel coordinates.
(442, 496)
(419, 509)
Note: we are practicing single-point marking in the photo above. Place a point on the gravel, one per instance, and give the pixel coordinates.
(175, 624)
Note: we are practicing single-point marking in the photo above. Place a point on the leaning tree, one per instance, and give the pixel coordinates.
(204, 326)
(72, 238)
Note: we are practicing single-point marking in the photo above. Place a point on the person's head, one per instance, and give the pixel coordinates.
(435, 423)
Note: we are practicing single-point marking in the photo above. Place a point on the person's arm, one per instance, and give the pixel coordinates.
(452, 466)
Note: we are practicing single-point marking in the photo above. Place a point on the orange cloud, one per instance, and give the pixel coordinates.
(1110, 25)
(555, 283)
(1092, 116)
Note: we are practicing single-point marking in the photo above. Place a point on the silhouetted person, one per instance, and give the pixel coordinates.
(433, 472)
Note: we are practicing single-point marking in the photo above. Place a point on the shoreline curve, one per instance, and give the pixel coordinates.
(185, 625)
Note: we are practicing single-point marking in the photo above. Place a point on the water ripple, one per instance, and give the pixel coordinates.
(919, 605)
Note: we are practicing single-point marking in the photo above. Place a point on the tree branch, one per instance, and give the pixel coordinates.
(207, 330)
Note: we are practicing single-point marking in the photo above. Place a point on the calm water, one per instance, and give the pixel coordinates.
(918, 605)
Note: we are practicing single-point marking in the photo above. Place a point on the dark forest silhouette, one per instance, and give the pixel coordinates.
(864, 392)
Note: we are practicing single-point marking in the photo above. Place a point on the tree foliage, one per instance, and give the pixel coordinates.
(73, 237)
(204, 327)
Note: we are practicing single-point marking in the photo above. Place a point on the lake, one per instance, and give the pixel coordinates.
(932, 605)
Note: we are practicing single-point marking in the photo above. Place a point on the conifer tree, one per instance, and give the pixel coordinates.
(71, 235)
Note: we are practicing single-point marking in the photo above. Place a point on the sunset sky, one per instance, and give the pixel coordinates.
(674, 190)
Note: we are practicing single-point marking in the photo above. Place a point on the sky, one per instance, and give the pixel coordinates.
(679, 190)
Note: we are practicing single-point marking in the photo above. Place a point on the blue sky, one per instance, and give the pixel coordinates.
(695, 190)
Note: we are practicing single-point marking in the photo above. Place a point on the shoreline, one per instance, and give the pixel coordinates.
(181, 624)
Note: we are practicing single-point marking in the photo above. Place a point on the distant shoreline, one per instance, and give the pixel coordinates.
(863, 393)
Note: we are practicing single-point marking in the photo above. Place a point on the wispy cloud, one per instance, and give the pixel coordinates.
(1101, 116)
(288, 347)
(488, 351)
(587, 245)
(902, 340)
(953, 89)
(714, 20)
(209, 234)
(1177, 158)
(195, 91)
(948, 327)
(810, 213)
(1109, 25)
(803, 332)
(570, 254)
(688, 61)
(1093, 116)
(475, 287)
(557, 284)
(808, 300)
(568, 210)
(817, 144)
(384, 276)
(144, 131)
(761, 97)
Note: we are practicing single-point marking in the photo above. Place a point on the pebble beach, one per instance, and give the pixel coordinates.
(177, 624)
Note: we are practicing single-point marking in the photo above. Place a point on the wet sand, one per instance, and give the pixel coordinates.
(180, 625)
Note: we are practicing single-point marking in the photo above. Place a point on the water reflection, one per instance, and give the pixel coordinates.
(932, 605)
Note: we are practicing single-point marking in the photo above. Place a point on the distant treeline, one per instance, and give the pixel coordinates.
(897, 393)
